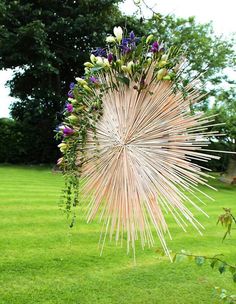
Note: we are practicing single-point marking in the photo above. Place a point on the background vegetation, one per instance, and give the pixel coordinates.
(46, 43)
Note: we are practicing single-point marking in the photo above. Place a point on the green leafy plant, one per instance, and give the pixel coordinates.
(215, 262)
(224, 296)
(226, 219)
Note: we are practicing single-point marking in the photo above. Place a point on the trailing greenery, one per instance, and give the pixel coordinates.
(215, 262)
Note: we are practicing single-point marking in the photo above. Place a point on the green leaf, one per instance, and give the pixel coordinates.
(213, 263)
(222, 268)
(174, 258)
(123, 79)
(200, 260)
(232, 269)
(234, 277)
(96, 69)
(180, 257)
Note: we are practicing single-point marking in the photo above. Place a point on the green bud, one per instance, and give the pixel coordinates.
(124, 68)
(73, 118)
(161, 73)
(167, 77)
(162, 63)
(88, 64)
(87, 88)
(164, 57)
(149, 39)
(62, 147)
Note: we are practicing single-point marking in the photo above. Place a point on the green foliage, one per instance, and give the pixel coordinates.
(205, 52)
(226, 220)
(49, 43)
(224, 296)
(11, 141)
(224, 109)
(214, 262)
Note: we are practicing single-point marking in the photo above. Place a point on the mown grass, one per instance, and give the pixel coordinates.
(44, 261)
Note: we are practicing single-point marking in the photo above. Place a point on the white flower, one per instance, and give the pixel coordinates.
(106, 62)
(118, 32)
(81, 80)
(99, 61)
(92, 58)
(110, 39)
(129, 66)
(88, 64)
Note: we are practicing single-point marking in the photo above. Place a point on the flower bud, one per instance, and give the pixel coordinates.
(88, 64)
(167, 77)
(62, 146)
(118, 32)
(129, 66)
(87, 88)
(73, 118)
(110, 39)
(149, 39)
(124, 68)
(106, 62)
(164, 57)
(162, 63)
(93, 58)
(60, 161)
(118, 62)
(81, 81)
(161, 73)
(99, 61)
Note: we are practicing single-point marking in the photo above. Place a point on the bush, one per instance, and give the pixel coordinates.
(11, 141)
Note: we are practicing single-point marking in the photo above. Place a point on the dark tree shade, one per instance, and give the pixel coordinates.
(48, 41)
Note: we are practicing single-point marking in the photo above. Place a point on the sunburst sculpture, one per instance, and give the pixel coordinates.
(130, 135)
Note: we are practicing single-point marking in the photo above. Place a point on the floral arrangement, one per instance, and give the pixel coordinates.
(122, 60)
(128, 105)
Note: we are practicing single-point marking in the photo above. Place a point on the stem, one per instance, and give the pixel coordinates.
(207, 258)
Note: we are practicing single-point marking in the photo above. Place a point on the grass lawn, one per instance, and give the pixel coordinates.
(44, 261)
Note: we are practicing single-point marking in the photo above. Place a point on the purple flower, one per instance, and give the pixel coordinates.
(67, 131)
(131, 35)
(69, 107)
(128, 44)
(125, 46)
(70, 94)
(72, 85)
(155, 47)
(99, 52)
(110, 57)
(93, 79)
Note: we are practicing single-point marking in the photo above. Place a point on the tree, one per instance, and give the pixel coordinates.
(208, 57)
(207, 54)
(48, 41)
(11, 141)
(224, 109)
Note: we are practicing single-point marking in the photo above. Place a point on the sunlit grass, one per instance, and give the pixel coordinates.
(44, 261)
